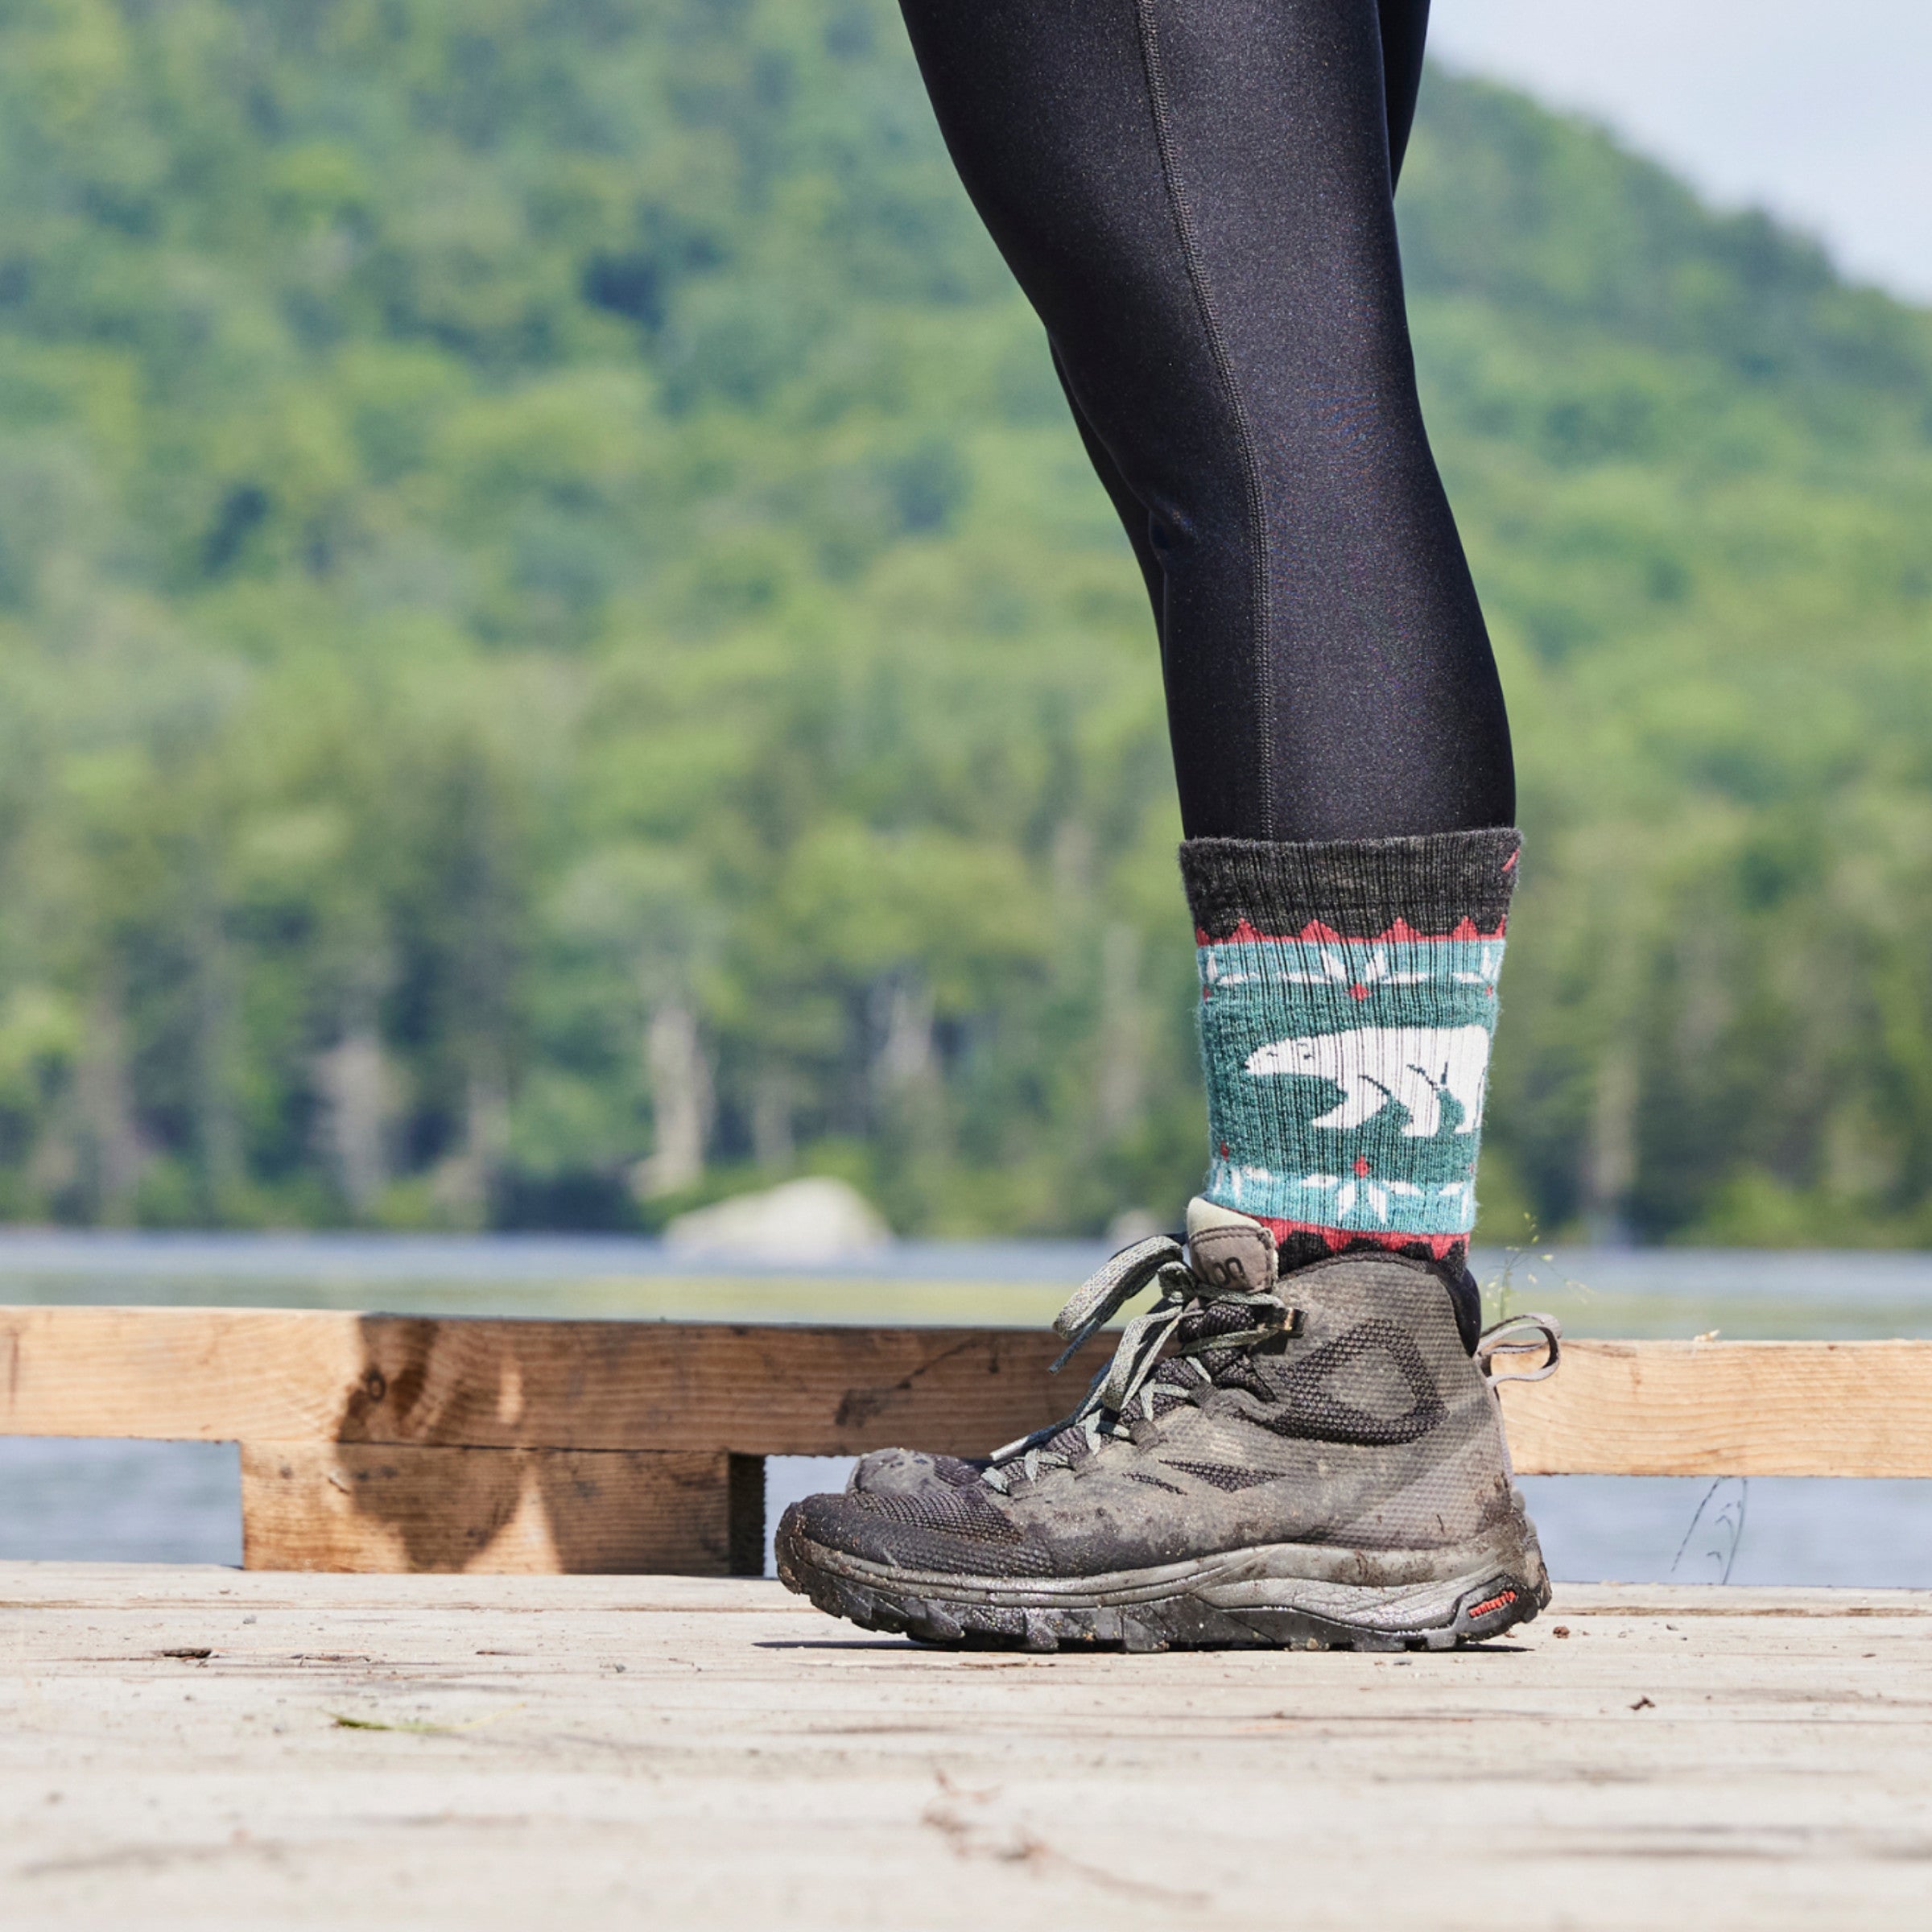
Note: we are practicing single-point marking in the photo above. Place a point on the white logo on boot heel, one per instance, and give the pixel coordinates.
(1413, 1066)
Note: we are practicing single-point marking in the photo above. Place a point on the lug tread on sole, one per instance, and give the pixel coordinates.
(1181, 1622)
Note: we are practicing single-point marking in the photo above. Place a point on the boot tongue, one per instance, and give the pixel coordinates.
(1230, 1253)
(1228, 1250)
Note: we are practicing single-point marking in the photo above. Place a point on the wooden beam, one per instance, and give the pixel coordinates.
(353, 1506)
(183, 1374)
(261, 1375)
(266, 1376)
(1726, 1409)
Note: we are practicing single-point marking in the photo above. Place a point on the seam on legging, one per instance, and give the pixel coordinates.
(1223, 364)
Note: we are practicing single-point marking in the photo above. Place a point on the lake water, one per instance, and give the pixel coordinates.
(180, 1502)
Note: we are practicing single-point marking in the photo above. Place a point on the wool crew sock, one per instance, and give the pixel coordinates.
(1347, 1003)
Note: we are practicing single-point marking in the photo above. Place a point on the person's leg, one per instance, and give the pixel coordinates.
(1403, 25)
(1197, 199)
(1296, 1445)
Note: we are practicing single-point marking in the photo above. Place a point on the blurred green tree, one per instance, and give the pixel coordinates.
(559, 653)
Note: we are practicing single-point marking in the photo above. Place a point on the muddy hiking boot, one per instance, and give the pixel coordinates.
(1312, 1461)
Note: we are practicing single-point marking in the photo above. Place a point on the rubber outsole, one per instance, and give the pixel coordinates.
(1467, 1610)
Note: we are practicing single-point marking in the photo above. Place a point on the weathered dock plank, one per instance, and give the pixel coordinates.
(374, 1441)
(1650, 1408)
(289, 1376)
(677, 1752)
(1861, 1408)
(358, 1506)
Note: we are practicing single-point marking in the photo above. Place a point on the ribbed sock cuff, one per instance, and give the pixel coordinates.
(1447, 884)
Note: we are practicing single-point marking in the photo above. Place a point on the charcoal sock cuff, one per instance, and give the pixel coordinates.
(1446, 884)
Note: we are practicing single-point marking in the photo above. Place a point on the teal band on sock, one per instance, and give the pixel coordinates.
(1345, 1080)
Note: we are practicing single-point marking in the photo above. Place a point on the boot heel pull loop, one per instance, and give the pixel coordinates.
(1521, 1334)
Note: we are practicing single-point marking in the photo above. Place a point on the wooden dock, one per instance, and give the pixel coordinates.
(213, 1749)
(553, 1732)
(373, 1443)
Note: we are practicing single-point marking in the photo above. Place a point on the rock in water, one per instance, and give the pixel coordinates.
(818, 1220)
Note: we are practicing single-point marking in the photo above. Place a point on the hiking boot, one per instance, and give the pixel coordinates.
(1314, 1461)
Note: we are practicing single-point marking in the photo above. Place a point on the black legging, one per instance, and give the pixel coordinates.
(1197, 197)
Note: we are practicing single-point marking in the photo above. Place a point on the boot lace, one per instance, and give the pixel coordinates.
(1214, 1318)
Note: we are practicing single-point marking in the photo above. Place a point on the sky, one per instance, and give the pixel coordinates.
(1820, 110)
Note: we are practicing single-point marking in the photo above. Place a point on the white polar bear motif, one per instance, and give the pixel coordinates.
(1413, 1066)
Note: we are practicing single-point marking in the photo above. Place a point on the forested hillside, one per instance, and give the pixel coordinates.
(558, 655)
